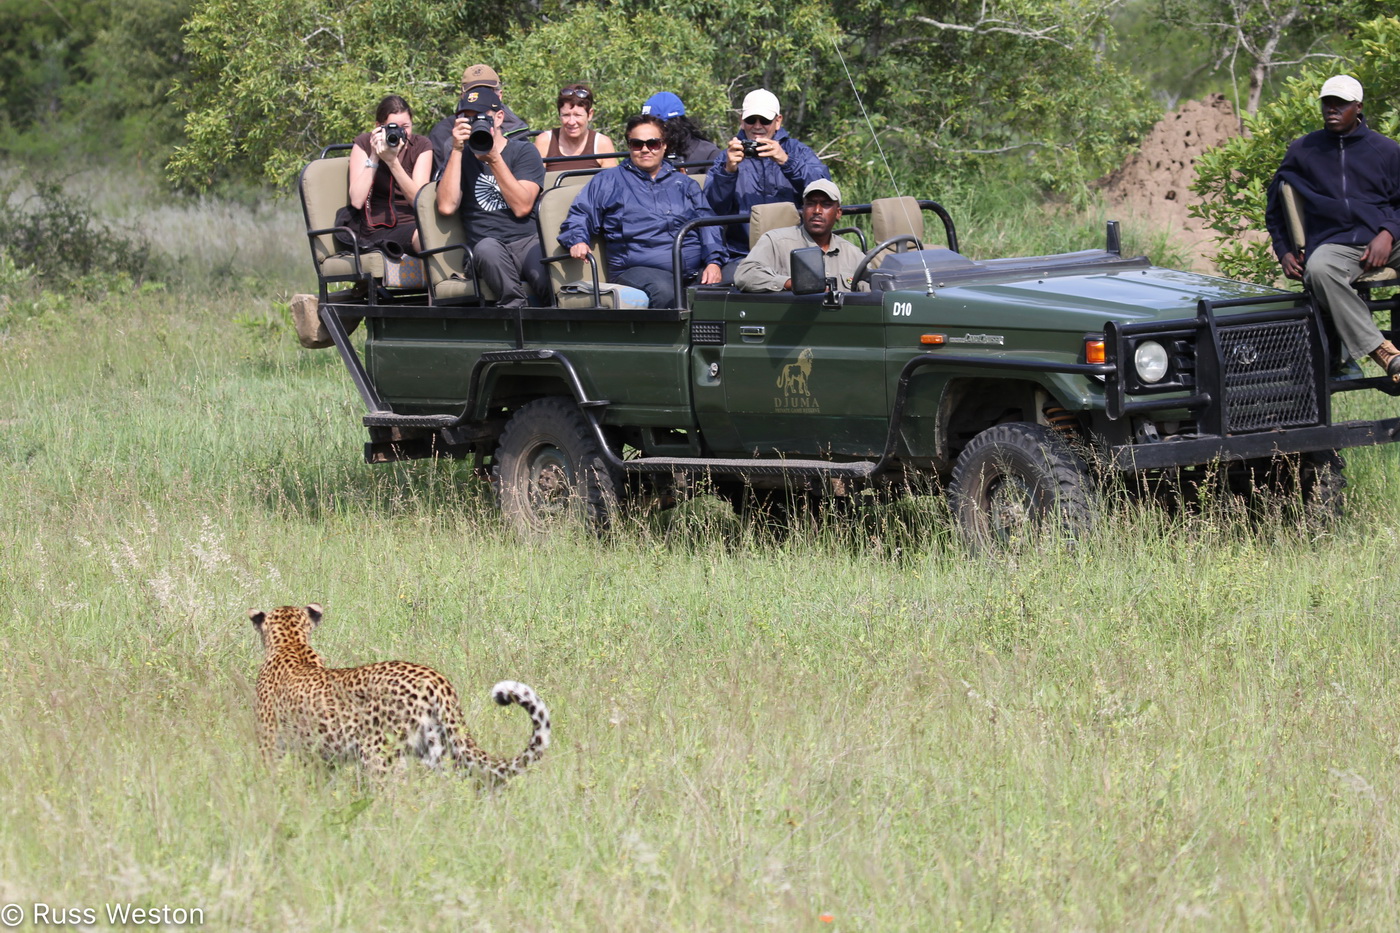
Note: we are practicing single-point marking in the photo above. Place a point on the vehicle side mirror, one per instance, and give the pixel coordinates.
(808, 271)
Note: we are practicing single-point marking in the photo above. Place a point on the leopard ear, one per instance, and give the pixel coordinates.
(314, 612)
(257, 615)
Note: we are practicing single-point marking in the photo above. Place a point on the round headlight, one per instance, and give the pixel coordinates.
(1150, 359)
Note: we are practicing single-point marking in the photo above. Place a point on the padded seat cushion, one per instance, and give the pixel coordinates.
(1383, 277)
(344, 264)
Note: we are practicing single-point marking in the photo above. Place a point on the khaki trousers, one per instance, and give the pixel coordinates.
(1329, 271)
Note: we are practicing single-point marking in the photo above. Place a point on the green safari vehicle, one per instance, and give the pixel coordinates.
(998, 380)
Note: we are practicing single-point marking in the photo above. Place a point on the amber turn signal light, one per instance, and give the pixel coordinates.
(933, 340)
(1093, 350)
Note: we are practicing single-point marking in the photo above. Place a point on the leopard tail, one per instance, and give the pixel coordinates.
(505, 693)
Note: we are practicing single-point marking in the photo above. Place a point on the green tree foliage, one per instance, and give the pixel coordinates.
(626, 57)
(948, 87)
(1234, 177)
(133, 62)
(41, 45)
(956, 87)
(83, 77)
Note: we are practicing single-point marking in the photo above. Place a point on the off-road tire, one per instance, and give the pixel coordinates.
(549, 470)
(1017, 482)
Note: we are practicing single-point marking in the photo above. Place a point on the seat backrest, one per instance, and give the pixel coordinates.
(436, 231)
(568, 177)
(325, 189)
(1293, 214)
(550, 211)
(890, 217)
(765, 217)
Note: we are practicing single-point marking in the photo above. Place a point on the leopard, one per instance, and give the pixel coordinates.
(376, 714)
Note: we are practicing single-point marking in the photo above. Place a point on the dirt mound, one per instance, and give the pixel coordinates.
(1153, 188)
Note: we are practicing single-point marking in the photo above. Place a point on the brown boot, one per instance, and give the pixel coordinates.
(1388, 359)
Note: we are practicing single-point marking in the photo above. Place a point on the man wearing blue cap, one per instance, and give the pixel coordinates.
(685, 143)
(1347, 178)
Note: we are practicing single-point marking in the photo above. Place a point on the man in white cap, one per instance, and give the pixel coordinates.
(768, 266)
(1347, 179)
(761, 165)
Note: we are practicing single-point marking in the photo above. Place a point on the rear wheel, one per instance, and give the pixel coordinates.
(1017, 481)
(550, 470)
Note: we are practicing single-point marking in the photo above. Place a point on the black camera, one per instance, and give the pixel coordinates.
(483, 135)
(393, 134)
(750, 148)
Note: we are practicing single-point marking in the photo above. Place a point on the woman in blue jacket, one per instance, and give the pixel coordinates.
(638, 208)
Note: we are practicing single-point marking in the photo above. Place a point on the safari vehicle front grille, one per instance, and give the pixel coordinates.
(1268, 376)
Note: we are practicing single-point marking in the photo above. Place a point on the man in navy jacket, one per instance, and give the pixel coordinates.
(774, 168)
(1347, 178)
(638, 207)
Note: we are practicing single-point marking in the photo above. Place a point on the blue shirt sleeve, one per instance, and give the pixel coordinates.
(720, 186)
(582, 222)
(803, 167)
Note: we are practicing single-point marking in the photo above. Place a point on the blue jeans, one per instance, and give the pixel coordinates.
(659, 284)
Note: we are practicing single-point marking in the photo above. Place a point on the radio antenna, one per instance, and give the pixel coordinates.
(879, 149)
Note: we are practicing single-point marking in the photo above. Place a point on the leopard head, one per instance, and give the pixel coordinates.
(286, 626)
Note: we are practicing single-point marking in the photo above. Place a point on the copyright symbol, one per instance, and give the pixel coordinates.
(12, 915)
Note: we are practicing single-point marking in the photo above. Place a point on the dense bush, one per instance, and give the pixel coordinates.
(61, 241)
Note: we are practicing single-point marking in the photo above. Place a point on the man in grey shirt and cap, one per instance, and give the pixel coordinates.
(767, 268)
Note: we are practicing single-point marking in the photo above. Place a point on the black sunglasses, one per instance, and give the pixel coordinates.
(582, 93)
(638, 144)
(757, 119)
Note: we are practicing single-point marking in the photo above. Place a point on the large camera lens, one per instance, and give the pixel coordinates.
(393, 134)
(482, 137)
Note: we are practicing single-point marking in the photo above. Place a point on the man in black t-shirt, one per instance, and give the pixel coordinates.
(441, 134)
(494, 193)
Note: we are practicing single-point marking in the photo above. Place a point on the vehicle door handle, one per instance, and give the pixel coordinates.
(752, 330)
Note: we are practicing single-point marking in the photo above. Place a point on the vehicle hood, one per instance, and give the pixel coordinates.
(1093, 286)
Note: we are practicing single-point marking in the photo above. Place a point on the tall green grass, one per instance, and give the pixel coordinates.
(1188, 722)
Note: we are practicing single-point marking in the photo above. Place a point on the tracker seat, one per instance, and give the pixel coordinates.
(1293, 213)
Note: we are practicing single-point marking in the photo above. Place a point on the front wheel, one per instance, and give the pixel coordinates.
(549, 470)
(1016, 480)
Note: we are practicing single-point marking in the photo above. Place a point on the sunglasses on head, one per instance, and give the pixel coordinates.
(755, 118)
(638, 144)
(582, 93)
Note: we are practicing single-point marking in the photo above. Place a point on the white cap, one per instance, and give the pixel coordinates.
(826, 186)
(1344, 86)
(760, 103)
